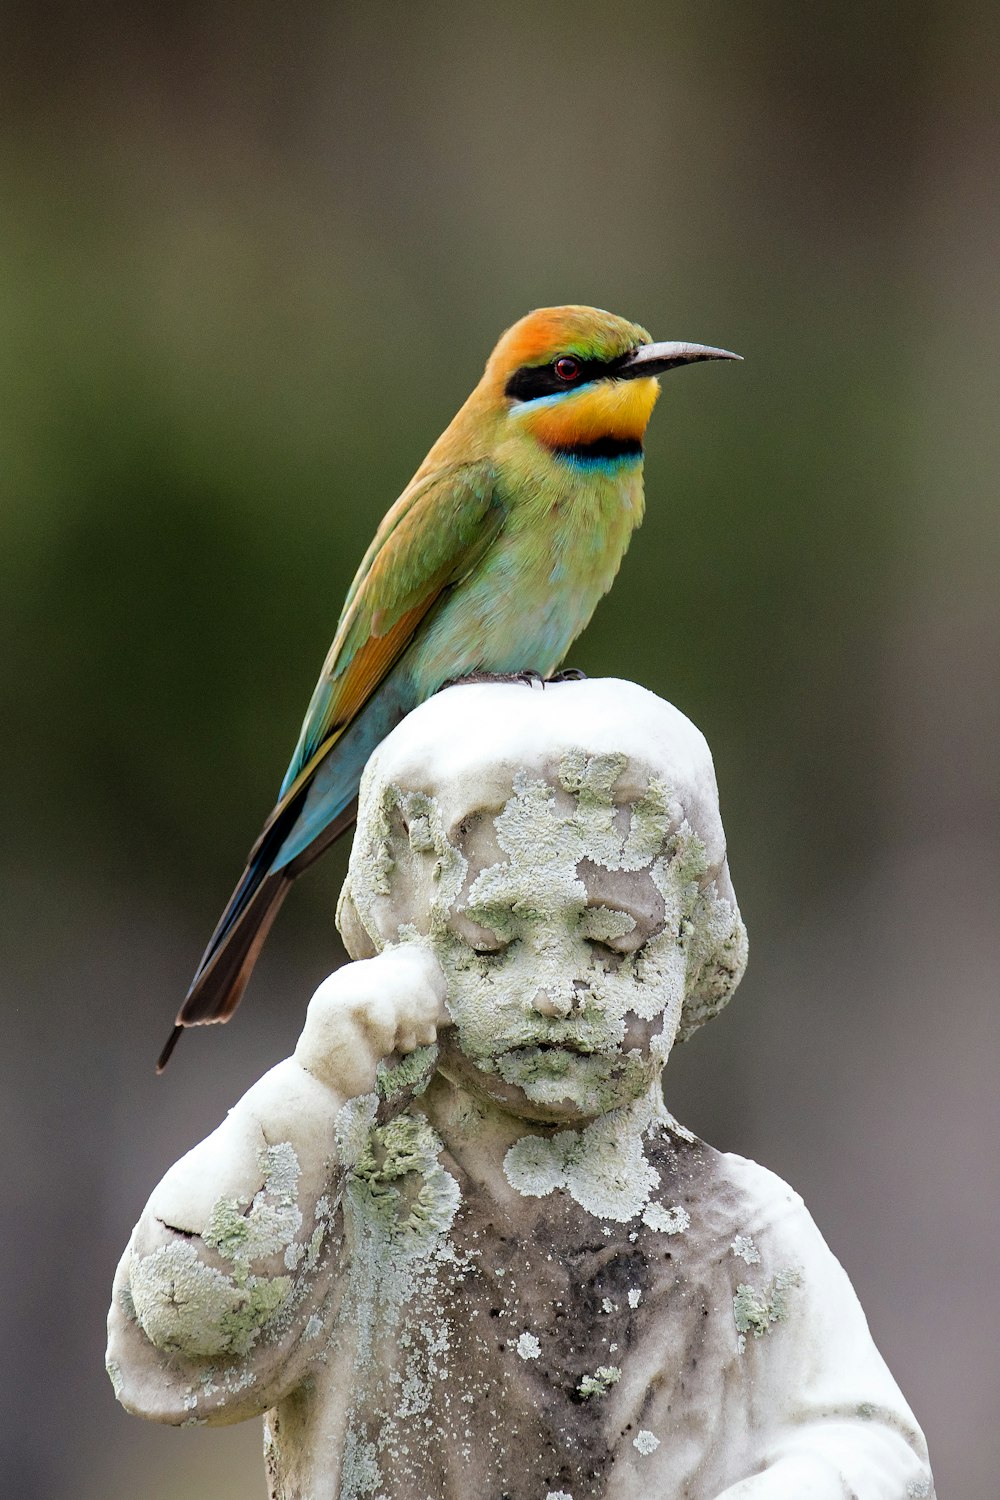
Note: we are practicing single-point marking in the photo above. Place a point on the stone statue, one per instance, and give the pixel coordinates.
(455, 1245)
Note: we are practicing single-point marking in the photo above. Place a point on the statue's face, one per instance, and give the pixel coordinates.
(562, 922)
(577, 896)
(565, 1003)
(573, 911)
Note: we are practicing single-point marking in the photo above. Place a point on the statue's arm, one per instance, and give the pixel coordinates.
(833, 1423)
(831, 1476)
(233, 1267)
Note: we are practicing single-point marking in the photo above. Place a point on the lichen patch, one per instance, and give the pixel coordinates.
(603, 1167)
(598, 1384)
(410, 1074)
(187, 1307)
(243, 1233)
(666, 1220)
(114, 1370)
(744, 1247)
(756, 1310)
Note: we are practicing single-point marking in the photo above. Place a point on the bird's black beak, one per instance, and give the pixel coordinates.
(654, 359)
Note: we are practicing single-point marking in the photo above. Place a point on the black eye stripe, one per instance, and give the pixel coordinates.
(532, 381)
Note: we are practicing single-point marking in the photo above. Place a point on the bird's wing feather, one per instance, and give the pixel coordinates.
(432, 537)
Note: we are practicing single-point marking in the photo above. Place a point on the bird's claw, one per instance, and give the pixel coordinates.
(569, 674)
(529, 677)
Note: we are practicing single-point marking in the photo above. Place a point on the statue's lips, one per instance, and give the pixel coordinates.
(551, 1045)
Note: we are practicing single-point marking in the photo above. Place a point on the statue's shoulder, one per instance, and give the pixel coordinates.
(732, 1206)
(765, 1206)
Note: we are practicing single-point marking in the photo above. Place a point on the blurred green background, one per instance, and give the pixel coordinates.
(252, 258)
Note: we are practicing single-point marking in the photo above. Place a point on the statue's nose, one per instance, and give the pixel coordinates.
(556, 1007)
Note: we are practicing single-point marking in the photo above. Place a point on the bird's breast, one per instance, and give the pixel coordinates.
(530, 596)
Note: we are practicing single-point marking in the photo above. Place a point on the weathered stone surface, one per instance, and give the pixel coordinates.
(456, 1246)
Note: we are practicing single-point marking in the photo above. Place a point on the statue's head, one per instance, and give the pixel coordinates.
(561, 850)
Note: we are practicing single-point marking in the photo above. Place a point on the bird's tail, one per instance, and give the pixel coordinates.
(312, 813)
(233, 949)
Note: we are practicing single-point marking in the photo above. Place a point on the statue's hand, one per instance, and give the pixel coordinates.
(370, 1010)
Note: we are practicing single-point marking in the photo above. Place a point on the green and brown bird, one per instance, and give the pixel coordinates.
(491, 561)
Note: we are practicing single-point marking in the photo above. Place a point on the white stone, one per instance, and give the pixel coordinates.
(470, 1143)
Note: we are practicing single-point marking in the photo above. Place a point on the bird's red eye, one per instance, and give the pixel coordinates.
(566, 367)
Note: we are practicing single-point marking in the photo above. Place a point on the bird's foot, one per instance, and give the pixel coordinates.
(569, 674)
(529, 677)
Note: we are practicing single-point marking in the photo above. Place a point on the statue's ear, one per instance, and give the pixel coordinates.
(355, 934)
(717, 955)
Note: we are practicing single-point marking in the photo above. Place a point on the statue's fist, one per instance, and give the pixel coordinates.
(369, 1010)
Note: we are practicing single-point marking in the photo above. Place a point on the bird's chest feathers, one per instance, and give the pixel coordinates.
(574, 519)
(591, 524)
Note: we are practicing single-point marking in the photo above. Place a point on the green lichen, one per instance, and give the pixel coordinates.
(412, 1074)
(591, 778)
(359, 1471)
(651, 819)
(243, 1233)
(530, 831)
(400, 1185)
(603, 1167)
(126, 1303)
(314, 1246)
(379, 838)
(228, 1229)
(421, 827)
(687, 855)
(188, 1307)
(717, 957)
(666, 1220)
(711, 939)
(602, 924)
(534, 899)
(756, 1310)
(595, 1084)
(536, 903)
(427, 836)
(241, 1326)
(353, 1126)
(598, 1384)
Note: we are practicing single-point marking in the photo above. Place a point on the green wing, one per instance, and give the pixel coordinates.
(433, 536)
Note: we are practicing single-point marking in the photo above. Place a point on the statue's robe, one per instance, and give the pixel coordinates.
(710, 1345)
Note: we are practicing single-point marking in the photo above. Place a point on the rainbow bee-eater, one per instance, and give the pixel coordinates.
(491, 561)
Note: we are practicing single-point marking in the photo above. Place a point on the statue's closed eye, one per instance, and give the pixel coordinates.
(488, 944)
(612, 929)
(484, 928)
